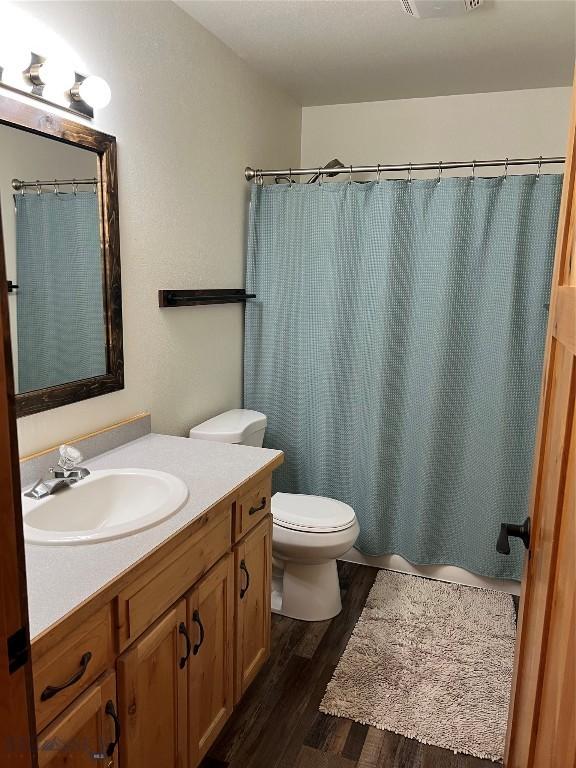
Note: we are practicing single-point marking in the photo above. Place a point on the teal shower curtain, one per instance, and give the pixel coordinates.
(60, 312)
(396, 345)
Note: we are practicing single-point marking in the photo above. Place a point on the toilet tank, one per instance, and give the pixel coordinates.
(237, 426)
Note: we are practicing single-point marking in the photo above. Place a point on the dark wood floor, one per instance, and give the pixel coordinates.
(278, 725)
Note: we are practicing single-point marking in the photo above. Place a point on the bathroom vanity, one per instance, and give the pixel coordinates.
(142, 646)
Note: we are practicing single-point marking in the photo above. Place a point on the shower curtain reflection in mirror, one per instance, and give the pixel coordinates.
(61, 335)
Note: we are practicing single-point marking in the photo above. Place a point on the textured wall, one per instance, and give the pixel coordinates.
(484, 126)
(188, 115)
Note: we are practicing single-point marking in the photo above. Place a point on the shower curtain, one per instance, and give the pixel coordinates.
(396, 346)
(60, 311)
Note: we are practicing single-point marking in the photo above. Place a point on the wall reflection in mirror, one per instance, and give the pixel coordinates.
(54, 259)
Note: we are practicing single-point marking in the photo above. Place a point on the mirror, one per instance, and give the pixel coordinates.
(58, 201)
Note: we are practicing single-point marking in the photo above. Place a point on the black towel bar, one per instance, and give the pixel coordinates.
(194, 298)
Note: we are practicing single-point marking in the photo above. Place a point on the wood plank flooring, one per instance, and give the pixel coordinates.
(278, 725)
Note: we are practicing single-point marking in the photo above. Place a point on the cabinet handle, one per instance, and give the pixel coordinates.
(112, 713)
(243, 590)
(52, 690)
(183, 631)
(253, 510)
(196, 620)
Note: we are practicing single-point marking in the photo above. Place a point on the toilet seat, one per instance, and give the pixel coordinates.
(314, 514)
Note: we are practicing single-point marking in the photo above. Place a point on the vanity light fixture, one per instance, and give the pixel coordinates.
(54, 75)
(93, 91)
(51, 80)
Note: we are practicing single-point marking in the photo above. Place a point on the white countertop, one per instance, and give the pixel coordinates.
(60, 578)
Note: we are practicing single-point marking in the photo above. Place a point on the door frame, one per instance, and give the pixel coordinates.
(549, 484)
(17, 721)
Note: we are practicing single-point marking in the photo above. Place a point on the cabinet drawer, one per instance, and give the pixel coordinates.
(66, 670)
(252, 506)
(143, 601)
(84, 731)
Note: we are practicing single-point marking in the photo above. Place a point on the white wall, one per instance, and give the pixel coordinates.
(27, 157)
(188, 115)
(482, 126)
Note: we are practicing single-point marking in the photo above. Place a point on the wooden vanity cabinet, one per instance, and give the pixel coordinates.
(152, 695)
(253, 566)
(187, 633)
(86, 734)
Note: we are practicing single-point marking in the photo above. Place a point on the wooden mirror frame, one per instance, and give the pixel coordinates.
(17, 114)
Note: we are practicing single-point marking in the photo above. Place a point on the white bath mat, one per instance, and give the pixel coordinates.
(431, 661)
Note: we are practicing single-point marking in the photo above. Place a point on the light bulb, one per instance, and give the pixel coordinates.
(95, 92)
(56, 76)
(14, 55)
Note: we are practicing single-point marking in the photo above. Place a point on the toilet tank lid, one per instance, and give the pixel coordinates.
(231, 426)
(311, 513)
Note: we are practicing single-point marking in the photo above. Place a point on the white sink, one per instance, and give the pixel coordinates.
(108, 504)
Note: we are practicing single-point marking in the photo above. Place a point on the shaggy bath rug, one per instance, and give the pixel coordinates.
(431, 661)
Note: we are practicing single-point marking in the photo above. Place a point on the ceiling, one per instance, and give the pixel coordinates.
(340, 51)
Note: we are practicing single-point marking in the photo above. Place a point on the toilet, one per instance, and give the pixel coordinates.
(309, 532)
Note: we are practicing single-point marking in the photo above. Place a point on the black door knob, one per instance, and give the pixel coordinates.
(509, 529)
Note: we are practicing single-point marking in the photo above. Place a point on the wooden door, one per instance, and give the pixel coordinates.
(542, 725)
(86, 735)
(152, 695)
(17, 728)
(253, 566)
(211, 663)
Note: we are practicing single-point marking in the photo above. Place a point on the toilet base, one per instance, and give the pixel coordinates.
(306, 592)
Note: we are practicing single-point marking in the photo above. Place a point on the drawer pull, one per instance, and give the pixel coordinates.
(111, 712)
(183, 631)
(196, 620)
(243, 590)
(52, 690)
(253, 510)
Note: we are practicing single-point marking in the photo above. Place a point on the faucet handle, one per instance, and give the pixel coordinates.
(70, 457)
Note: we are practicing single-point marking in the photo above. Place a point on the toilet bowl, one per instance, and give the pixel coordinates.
(309, 532)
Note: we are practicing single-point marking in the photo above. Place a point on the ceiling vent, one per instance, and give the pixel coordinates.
(429, 9)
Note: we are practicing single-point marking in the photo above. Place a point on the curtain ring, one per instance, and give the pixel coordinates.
(38, 188)
(74, 187)
(56, 187)
(473, 170)
(378, 174)
(350, 176)
(319, 177)
(539, 167)
(409, 173)
(506, 169)
(259, 178)
(439, 171)
(95, 185)
(290, 180)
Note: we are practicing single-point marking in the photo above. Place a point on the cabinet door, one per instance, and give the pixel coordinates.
(253, 566)
(86, 734)
(152, 695)
(211, 663)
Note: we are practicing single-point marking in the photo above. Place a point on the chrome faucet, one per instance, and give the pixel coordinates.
(64, 475)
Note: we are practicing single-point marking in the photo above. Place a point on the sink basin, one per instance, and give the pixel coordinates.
(108, 504)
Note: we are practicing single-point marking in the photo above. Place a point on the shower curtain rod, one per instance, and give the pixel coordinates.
(258, 174)
(19, 185)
